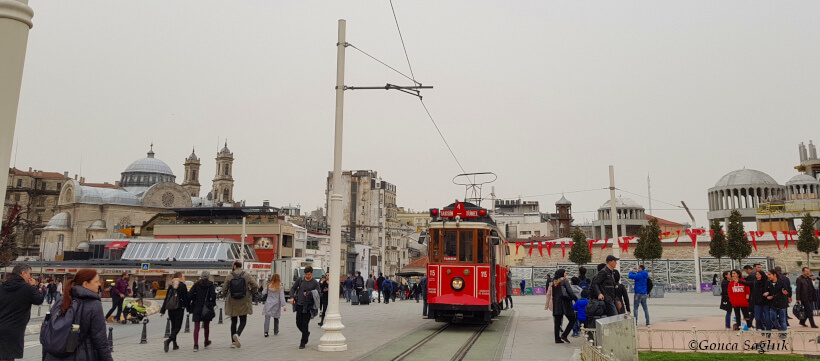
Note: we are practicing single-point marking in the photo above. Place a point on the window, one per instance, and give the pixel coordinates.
(59, 186)
(227, 169)
(19, 183)
(17, 197)
(193, 175)
(465, 246)
(481, 247)
(450, 244)
(43, 186)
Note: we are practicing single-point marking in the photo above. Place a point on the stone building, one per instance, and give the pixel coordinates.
(631, 217)
(35, 192)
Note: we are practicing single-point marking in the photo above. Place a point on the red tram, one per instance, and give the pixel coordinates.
(466, 271)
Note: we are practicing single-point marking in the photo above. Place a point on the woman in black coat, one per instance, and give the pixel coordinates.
(202, 293)
(323, 298)
(724, 298)
(562, 297)
(179, 288)
(83, 288)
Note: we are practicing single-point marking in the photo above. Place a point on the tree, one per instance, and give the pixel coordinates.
(579, 253)
(737, 244)
(717, 247)
(649, 244)
(806, 241)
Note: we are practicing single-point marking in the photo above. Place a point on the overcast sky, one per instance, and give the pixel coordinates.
(545, 94)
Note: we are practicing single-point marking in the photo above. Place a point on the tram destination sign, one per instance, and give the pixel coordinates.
(461, 211)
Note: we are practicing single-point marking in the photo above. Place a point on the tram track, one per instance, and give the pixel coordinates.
(459, 355)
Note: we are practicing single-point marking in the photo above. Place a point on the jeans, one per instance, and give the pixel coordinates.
(302, 323)
(348, 293)
(576, 328)
(424, 308)
(729, 318)
(609, 308)
(762, 317)
(777, 318)
(640, 300)
(206, 326)
(238, 331)
(275, 324)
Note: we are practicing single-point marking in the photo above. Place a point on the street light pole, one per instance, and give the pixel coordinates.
(333, 339)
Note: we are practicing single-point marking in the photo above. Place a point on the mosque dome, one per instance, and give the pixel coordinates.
(622, 203)
(802, 179)
(745, 177)
(60, 221)
(146, 172)
(563, 202)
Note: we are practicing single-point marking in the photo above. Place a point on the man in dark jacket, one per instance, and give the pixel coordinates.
(605, 287)
(301, 301)
(17, 295)
(806, 296)
(348, 288)
(379, 283)
(423, 287)
(750, 281)
(387, 289)
(359, 284)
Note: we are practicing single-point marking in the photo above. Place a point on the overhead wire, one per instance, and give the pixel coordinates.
(382, 63)
(402, 42)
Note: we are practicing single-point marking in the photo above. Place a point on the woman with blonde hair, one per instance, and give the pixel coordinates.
(274, 303)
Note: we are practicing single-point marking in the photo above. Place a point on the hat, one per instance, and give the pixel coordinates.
(611, 258)
(205, 275)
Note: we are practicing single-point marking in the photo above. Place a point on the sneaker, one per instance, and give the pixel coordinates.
(196, 348)
(233, 344)
(207, 343)
(301, 346)
(167, 345)
(236, 341)
(266, 334)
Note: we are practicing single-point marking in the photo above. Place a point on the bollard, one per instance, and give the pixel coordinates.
(188, 323)
(220, 315)
(111, 339)
(38, 310)
(168, 328)
(144, 338)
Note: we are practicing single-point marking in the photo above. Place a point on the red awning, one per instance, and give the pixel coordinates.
(117, 245)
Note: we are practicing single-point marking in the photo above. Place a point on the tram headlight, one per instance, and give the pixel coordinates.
(457, 283)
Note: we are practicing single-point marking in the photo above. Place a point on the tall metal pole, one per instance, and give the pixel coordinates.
(333, 339)
(15, 22)
(242, 245)
(613, 215)
(697, 256)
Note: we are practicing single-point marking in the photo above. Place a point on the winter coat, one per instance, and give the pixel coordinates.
(738, 294)
(93, 346)
(562, 295)
(379, 283)
(349, 283)
(387, 286)
(370, 284)
(509, 284)
(580, 308)
(604, 283)
(775, 290)
(640, 278)
(325, 288)
(756, 290)
(243, 306)
(16, 298)
(182, 294)
(120, 287)
(623, 296)
(805, 290)
(359, 282)
(423, 286)
(274, 303)
(203, 292)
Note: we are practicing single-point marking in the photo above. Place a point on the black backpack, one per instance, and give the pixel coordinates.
(57, 334)
(595, 308)
(238, 286)
(172, 302)
(649, 285)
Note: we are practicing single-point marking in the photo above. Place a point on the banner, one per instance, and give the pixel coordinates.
(563, 250)
(754, 240)
(549, 249)
(677, 238)
(604, 246)
(541, 248)
(774, 234)
(591, 241)
(517, 244)
(531, 247)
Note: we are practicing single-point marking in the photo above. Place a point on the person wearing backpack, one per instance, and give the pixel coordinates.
(238, 288)
(202, 303)
(79, 306)
(176, 299)
(641, 291)
(387, 288)
(17, 295)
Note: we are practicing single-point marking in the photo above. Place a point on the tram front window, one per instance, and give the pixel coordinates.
(465, 249)
(450, 244)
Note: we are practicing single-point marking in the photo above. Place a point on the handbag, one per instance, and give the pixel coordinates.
(208, 312)
(799, 311)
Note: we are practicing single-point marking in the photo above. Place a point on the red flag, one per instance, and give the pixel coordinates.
(626, 243)
(676, 239)
(786, 238)
(817, 233)
(754, 240)
(541, 248)
(591, 241)
(711, 234)
(517, 244)
(791, 236)
(774, 234)
(692, 235)
(563, 250)
(549, 249)
(604, 246)
(531, 247)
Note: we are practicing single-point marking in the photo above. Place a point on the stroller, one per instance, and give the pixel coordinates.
(133, 310)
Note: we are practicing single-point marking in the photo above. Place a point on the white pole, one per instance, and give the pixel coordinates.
(697, 258)
(333, 339)
(613, 215)
(242, 245)
(15, 22)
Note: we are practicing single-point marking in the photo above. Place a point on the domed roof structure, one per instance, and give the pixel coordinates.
(60, 221)
(744, 177)
(802, 179)
(146, 172)
(563, 201)
(622, 203)
(98, 225)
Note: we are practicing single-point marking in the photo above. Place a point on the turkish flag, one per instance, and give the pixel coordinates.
(549, 249)
(676, 239)
(774, 234)
(626, 243)
(711, 234)
(591, 241)
(754, 240)
(517, 244)
(563, 249)
(604, 246)
(817, 233)
(531, 247)
(692, 235)
(541, 248)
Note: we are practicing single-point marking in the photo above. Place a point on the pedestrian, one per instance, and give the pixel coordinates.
(176, 297)
(641, 292)
(240, 287)
(202, 306)
(622, 296)
(523, 287)
(562, 297)
(274, 304)
(739, 297)
(155, 288)
(423, 286)
(135, 286)
(508, 301)
(59, 289)
(576, 327)
(17, 294)
(387, 288)
(580, 307)
(323, 299)
(395, 288)
(725, 303)
(605, 286)
(83, 289)
(582, 276)
(806, 296)
(118, 293)
(348, 288)
(370, 285)
(778, 302)
(358, 284)
(379, 283)
(416, 291)
(302, 301)
(759, 303)
(140, 289)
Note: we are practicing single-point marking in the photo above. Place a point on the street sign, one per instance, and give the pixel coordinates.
(145, 266)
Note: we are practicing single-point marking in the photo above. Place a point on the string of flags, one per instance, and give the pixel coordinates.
(623, 242)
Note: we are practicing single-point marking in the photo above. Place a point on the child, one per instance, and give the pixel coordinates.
(576, 327)
(580, 312)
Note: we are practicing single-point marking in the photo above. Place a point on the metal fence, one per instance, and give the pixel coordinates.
(694, 340)
(590, 352)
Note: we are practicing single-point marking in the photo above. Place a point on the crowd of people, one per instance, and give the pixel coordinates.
(354, 288)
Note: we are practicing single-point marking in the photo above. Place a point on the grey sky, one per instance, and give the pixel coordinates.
(545, 94)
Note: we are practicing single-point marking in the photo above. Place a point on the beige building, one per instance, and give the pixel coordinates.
(35, 192)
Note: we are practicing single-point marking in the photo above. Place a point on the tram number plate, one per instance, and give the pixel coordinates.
(450, 258)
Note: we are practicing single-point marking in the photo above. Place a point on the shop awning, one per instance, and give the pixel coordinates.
(117, 245)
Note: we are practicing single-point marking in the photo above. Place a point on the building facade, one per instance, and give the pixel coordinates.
(35, 193)
(631, 217)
